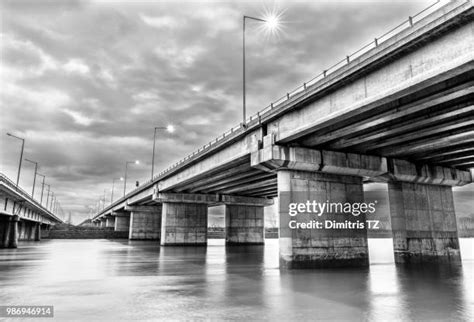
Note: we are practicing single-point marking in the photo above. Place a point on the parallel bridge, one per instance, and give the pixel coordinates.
(21, 217)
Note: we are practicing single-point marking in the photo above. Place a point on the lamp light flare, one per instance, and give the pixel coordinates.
(272, 22)
(170, 128)
(137, 162)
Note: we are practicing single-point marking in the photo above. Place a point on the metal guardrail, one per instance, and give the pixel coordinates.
(406, 24)
(10, 184)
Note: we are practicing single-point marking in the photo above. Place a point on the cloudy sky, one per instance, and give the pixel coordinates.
(85, 82)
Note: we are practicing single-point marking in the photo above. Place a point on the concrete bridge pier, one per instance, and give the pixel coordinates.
(110, 221)
(38, 232)
(145, 222)
(184, 224)
(103, 222)
(423, 223)
(422, 212)
(184, 218)
(244, 220)
(323, 177)
(244, 225)
(122, 222)
(10, 232)
(321, 247)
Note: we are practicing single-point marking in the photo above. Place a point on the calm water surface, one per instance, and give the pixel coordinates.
(124, 280)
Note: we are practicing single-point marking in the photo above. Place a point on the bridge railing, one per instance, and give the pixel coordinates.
(303, 89)
(10, 184)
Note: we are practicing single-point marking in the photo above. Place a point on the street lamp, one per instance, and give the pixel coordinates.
(42, 186)
(271, 23)
(52, 200)
(47, 195)
(34, 178)
(125, 176)
(21, 156)
(113, 185)
(169, 129)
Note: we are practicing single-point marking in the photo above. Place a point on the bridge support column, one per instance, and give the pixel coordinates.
(184, 224)
(320, 247)
(145, 222)
(244, 224)
(12, 241)
(122, 222)
(5, 231)
(312, 238)
(110, 221)
(38, 232)
(423, 223)
(102, 222)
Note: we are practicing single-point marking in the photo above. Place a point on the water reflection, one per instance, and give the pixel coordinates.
(114, 280)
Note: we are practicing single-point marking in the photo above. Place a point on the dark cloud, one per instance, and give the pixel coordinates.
(86, 81)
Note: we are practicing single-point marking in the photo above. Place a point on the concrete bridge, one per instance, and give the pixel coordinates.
(399, 112)
(21, 217)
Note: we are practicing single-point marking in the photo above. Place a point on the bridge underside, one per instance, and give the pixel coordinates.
(403, 115)
(430, 122)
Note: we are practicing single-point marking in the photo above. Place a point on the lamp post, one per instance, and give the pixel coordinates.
(272, 23)
(52, 200)
(34, 178)
(170, 129)
(125, 175)
(103, 206)
(47, 195)
(113, 186)
(42, 186)
(21, 156)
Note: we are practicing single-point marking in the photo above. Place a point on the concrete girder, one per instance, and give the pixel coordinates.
(411, 124)
(216, 177)
(396, 114)
(427, 145)
(258, 185)
(296, 158)
(239, 181)
(292, 128)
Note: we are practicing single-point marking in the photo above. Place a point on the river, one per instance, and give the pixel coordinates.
(126, 280)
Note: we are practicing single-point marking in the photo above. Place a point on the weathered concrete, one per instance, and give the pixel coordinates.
(110, 221)
(423, 223)
(103, 222)
(38, 232)
(4, 231)
(318, 248)
(9, 227)
(184, 224)
(145, 222)
(122, 222)
(244, 224)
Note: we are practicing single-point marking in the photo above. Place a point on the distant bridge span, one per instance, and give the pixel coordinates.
(401, 113)
(21, 217)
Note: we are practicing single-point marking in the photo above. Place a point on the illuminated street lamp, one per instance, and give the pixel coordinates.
(272, 24)
(113, 185)
(169, 129)
(125, 175)
(34, 178)
(21, 156)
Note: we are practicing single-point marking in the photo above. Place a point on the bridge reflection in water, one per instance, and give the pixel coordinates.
(110, 280)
